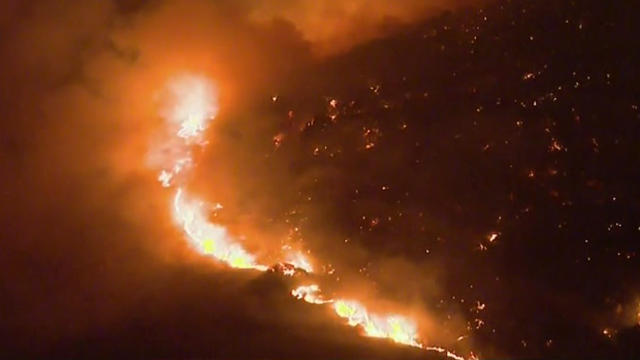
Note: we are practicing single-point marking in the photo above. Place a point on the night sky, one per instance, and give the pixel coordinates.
(471, 164)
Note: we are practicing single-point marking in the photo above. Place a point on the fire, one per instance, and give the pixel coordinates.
(310, 294)
(394, 327)
(449, 354)
(208, 238)
(300, 261)
(192, 105)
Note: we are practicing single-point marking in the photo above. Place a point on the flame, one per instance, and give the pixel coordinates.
(208, 238)
(191, 107)
(300, 261)
(394, 327)
(449, 354)
(310, 294)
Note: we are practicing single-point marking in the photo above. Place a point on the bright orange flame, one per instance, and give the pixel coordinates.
(300, 261)
(310, 294)
(208, 238)
(191, 106)
(394, 327)
(448, 353)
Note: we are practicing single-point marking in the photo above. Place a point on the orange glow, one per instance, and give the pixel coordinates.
(394, 327)
(208, 238)
(310, 294)
(190, 107)
(300, 261)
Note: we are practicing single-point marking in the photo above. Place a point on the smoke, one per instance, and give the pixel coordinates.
(333, 26)
(87, 230)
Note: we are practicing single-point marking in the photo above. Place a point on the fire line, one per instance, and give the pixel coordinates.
(191, 107)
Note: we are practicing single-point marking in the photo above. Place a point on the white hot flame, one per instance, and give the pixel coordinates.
(310, 294)
(193, 103)
(300, 261)
(209, 238)
(395, 327)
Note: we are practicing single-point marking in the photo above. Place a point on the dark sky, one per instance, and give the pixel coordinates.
(473, 164)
